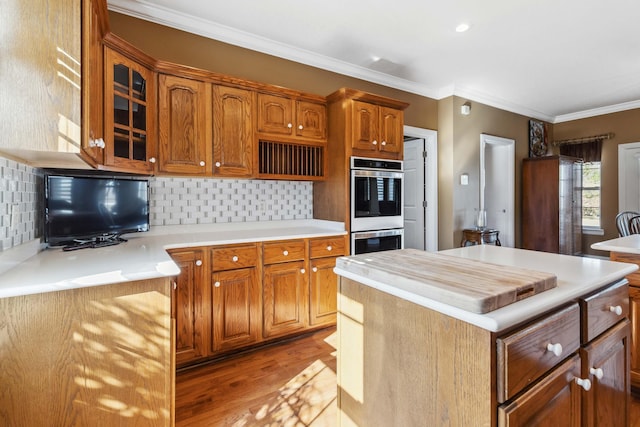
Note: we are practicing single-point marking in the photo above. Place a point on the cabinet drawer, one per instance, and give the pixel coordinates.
(603, 309)
(233, 257)
(526, 354)
(283, 251)
(326, 247)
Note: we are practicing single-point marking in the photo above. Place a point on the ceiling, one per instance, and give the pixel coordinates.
(551, 60)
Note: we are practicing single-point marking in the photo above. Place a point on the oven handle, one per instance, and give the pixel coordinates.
(376, 173)
(377, 233)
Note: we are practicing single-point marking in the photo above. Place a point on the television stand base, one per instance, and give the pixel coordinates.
(98, 242)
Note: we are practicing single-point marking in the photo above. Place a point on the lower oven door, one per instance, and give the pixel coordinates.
(376, 241)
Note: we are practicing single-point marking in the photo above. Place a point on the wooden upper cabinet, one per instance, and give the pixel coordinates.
(282, 115)
(184, 126)
(93, 30)
(130, 109)
(377, 128)
(233, 145)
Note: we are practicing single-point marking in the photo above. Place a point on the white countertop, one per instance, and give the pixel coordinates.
(24, 270)
(576, 276)
(628, 244)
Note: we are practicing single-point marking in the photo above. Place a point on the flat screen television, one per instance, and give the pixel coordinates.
(89, 211)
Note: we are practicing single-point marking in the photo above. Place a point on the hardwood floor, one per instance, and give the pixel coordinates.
(292, 384)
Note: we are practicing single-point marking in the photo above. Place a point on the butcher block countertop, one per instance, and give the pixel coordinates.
(429, 279)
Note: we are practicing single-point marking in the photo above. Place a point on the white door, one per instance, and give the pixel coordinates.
(497, 185)
(629, 177)
(420, 189)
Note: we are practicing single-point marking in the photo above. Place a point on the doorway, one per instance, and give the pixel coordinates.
(420, 189)
(628, 177)
(497, 185)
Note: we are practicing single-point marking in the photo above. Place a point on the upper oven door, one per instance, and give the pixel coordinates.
(376, 200)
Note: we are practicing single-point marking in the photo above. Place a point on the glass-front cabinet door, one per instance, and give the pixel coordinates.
(129, 114)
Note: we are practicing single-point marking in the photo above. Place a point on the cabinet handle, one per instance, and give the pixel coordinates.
(616, 309)
(285, 253)
(199, 263)
(217, 284)
(175, 285)
(202, 163)
(597, 372)
(217, 164)
(329, 248)
(375, 142)
(555, 348)
(585, 384)
(302, 271)
(152, 160)
(289, 125)
(300, 127)
(315, 269)
(383, 143)
(96, 142)
(235, 258)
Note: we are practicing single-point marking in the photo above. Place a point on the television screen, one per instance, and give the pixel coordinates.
(82, 209)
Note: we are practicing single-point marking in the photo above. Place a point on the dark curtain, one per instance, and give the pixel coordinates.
(590, 151)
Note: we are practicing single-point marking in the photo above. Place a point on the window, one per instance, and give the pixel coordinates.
(591, 195)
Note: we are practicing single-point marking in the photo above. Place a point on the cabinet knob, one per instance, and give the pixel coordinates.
(235, 258)
(597, 372)
(300, 127)
(152, 160)
(202, 163)
(584, 383)
(374, 142)
(217, 164)
(96, 143)
(217, 284)
(199, 262)
(175, 285)
(616, 309)
(285, 253)
(383, 143)
(555, 348)
(302, 271)
(289, 125)
(329, 248)
(314, 269)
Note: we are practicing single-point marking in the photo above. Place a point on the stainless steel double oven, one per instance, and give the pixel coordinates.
(377, 213)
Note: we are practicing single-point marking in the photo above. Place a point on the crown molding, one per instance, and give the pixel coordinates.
(598, 111)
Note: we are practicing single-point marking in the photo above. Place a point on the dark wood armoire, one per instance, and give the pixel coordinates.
(552, 204)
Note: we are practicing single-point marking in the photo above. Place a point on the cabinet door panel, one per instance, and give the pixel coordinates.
(555, 400)
(311, 120)
(607, 403)
(188, 301)
(284, 298)
(232, 132)
(365, 126)
(275, 114)
(184, 126)
(235, 299)
(323, 298)
(391, 130)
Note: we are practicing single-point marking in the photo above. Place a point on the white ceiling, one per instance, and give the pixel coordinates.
(554, 60)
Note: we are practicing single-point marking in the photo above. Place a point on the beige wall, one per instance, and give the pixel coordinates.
(458, 136)
(625, 126)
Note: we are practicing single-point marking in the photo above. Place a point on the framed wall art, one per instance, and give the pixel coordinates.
(537, 139)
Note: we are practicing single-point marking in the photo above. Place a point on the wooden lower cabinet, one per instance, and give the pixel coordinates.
(235, 307)
(285, 290)
(188, 304)
(323, 287)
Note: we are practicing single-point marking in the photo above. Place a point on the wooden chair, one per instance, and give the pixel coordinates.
(622, 222)
(634, 224)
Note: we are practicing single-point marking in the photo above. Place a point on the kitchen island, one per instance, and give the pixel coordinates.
(627, 249)
(405, 357)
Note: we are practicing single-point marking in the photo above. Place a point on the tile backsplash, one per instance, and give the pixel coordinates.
(174, 201)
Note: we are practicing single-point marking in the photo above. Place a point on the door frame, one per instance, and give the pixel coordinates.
(431, 182)
(622, 172)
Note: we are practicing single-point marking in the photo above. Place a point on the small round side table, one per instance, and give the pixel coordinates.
(471, 236)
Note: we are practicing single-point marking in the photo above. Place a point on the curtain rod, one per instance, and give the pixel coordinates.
(583, 140)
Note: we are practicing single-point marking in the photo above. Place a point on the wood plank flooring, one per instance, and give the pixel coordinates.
(293, 384)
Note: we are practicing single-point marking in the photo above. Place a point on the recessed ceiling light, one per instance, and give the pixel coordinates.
(462, 28)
